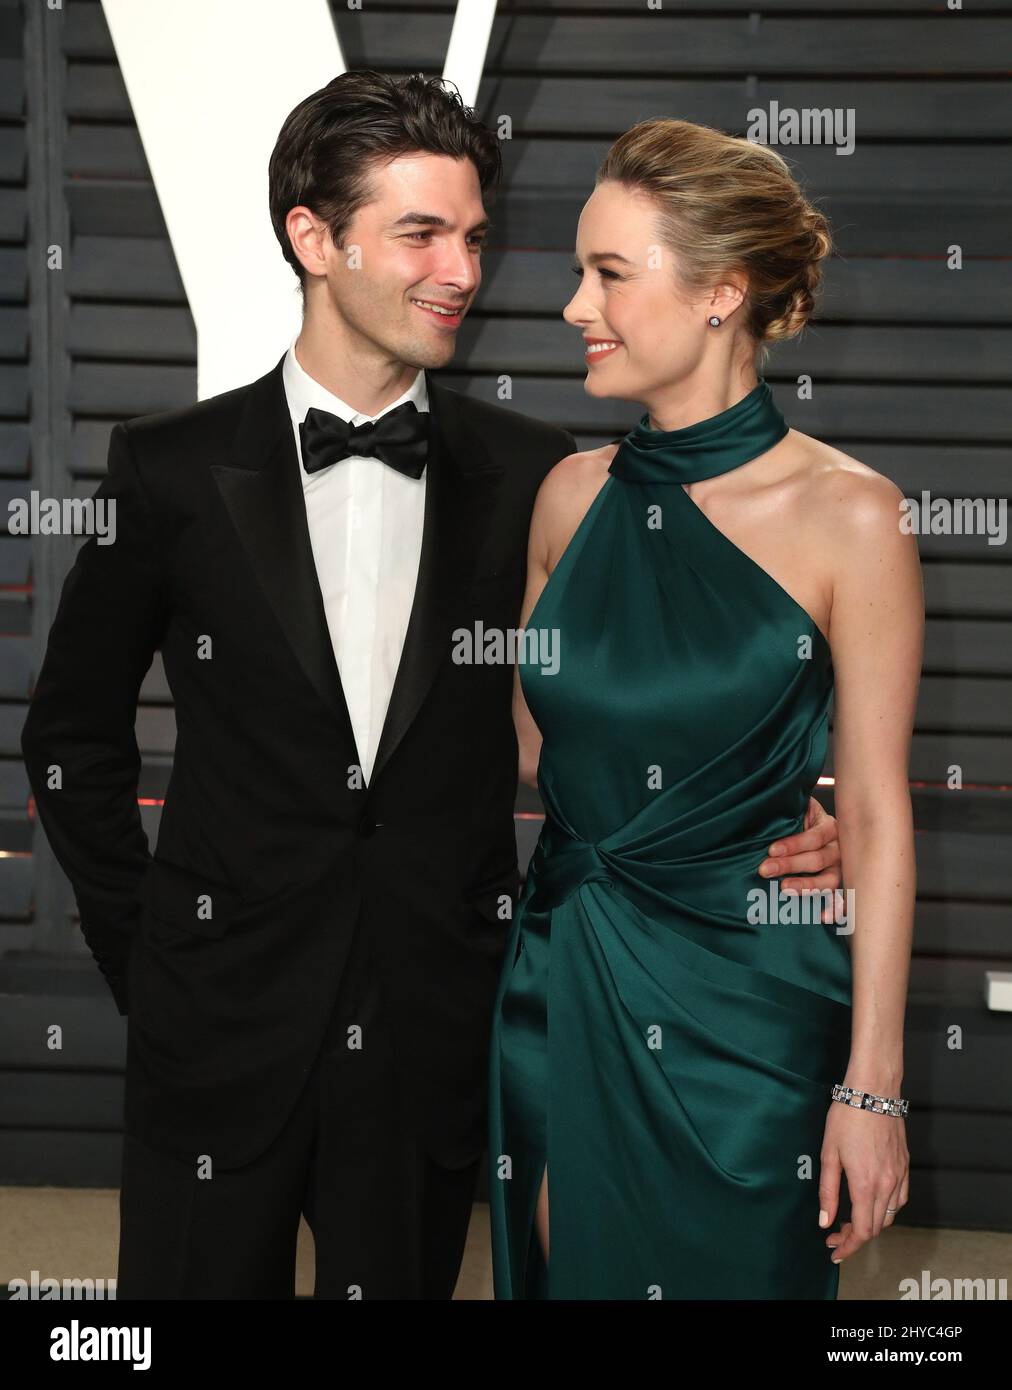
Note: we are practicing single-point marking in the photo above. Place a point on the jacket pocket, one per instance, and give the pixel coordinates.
(189, 900)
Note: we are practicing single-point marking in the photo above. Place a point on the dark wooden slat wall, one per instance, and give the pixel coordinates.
(910, 363)
(15, 398)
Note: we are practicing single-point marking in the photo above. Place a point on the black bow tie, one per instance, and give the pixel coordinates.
(400, 438)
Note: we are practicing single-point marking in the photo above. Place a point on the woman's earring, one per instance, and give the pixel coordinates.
(714, 322)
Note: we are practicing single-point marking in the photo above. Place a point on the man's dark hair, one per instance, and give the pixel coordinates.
(329, 144)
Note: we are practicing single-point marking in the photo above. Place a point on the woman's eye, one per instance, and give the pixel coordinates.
(605, 274)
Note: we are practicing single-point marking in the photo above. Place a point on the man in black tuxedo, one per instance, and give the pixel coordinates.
(308, 963)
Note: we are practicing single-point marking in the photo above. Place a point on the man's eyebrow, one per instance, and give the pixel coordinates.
(596, 257)
(432, 219)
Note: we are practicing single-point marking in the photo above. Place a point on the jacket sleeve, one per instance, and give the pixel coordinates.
(78, 740)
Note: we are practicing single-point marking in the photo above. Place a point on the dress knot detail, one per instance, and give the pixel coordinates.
(561, 863)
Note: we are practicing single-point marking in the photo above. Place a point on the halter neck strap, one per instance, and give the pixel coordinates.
(713, 446)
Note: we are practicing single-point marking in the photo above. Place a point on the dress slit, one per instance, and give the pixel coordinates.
(536, 1275)
(534, 1279)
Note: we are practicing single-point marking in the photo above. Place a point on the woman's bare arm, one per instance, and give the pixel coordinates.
(528, 734)
(876, 637)
(562, 501)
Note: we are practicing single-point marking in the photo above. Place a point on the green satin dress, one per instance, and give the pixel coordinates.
(663, 1049)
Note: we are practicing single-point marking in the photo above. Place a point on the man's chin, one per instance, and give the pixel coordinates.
(430, 356)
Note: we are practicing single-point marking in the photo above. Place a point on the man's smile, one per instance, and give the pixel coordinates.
(449, 314)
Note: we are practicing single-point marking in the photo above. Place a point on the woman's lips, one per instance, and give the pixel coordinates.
(599, 347)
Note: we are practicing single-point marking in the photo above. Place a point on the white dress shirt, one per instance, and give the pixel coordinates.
(365, 525)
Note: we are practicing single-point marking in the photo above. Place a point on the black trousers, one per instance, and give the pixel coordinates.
(388, 1221)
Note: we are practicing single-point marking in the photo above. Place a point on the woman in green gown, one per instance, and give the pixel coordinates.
(667, 1035)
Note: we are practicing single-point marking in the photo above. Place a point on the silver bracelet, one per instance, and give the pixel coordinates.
(864, 1100)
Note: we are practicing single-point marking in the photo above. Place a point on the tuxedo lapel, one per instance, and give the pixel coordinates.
(460, 492)
(262, 490)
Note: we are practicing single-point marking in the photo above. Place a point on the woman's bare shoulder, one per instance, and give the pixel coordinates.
(566, 494)
(576, 475)
(844, 494)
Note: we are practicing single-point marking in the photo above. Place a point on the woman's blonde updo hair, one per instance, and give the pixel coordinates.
(726, 204)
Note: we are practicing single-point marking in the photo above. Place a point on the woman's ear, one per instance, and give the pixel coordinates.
(725, 298)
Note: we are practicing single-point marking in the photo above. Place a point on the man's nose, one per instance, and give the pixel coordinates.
(458, 267)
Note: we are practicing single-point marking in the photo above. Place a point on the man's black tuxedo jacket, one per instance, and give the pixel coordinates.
(212, 564)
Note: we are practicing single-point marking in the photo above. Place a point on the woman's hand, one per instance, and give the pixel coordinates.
(872, 1150)
(814, 853)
